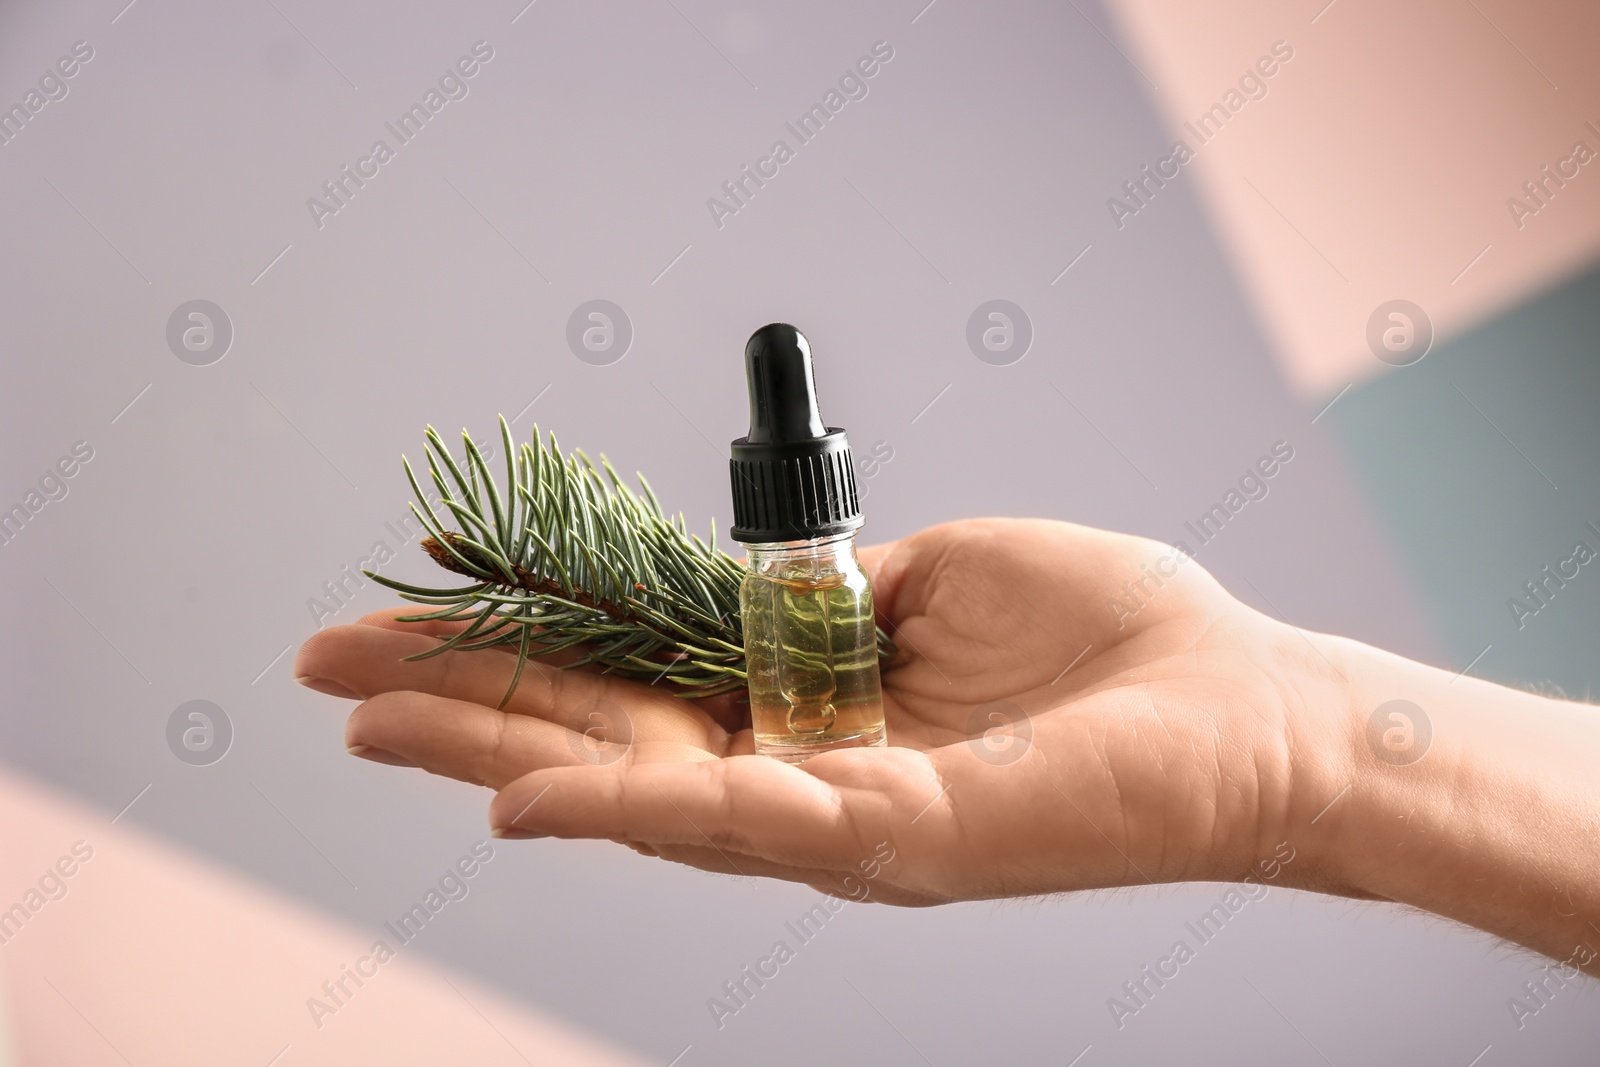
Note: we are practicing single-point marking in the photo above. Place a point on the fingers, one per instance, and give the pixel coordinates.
(849, 885)
(826, 815)
(463, 740)
(738, 865)
(368, 660)
(883, 574)
(365, 661)
(749, 805)
(906, 827)
(389, 619)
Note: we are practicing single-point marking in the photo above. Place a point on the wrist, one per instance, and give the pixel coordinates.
(1323, 681)
(1451, 794)
(1373, 803)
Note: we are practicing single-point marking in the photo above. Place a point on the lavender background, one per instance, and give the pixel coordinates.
(180, 563)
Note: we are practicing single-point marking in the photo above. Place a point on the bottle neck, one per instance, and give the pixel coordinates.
(838, 550)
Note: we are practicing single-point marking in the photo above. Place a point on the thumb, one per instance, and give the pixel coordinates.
(885, 565)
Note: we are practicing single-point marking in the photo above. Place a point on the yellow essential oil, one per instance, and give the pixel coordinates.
(811, 649)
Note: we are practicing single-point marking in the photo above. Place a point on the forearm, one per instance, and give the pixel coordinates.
(1489, 816)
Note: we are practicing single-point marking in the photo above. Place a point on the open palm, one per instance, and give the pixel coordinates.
(1051, 728)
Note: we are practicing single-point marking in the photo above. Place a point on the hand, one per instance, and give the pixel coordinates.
(1053, 729)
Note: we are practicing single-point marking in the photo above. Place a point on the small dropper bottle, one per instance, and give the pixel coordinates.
(810, 640)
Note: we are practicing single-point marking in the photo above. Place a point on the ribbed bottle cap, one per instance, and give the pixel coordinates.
(793, 478)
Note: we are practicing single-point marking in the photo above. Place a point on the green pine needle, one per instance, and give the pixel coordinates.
(562, 558)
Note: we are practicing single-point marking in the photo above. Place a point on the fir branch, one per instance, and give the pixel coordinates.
(561, 558)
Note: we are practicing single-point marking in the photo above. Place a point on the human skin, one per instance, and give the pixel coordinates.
(1183, 741)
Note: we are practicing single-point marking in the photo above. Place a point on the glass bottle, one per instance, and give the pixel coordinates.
(811, 647)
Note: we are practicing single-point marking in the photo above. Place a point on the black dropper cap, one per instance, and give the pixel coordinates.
(793, 478)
